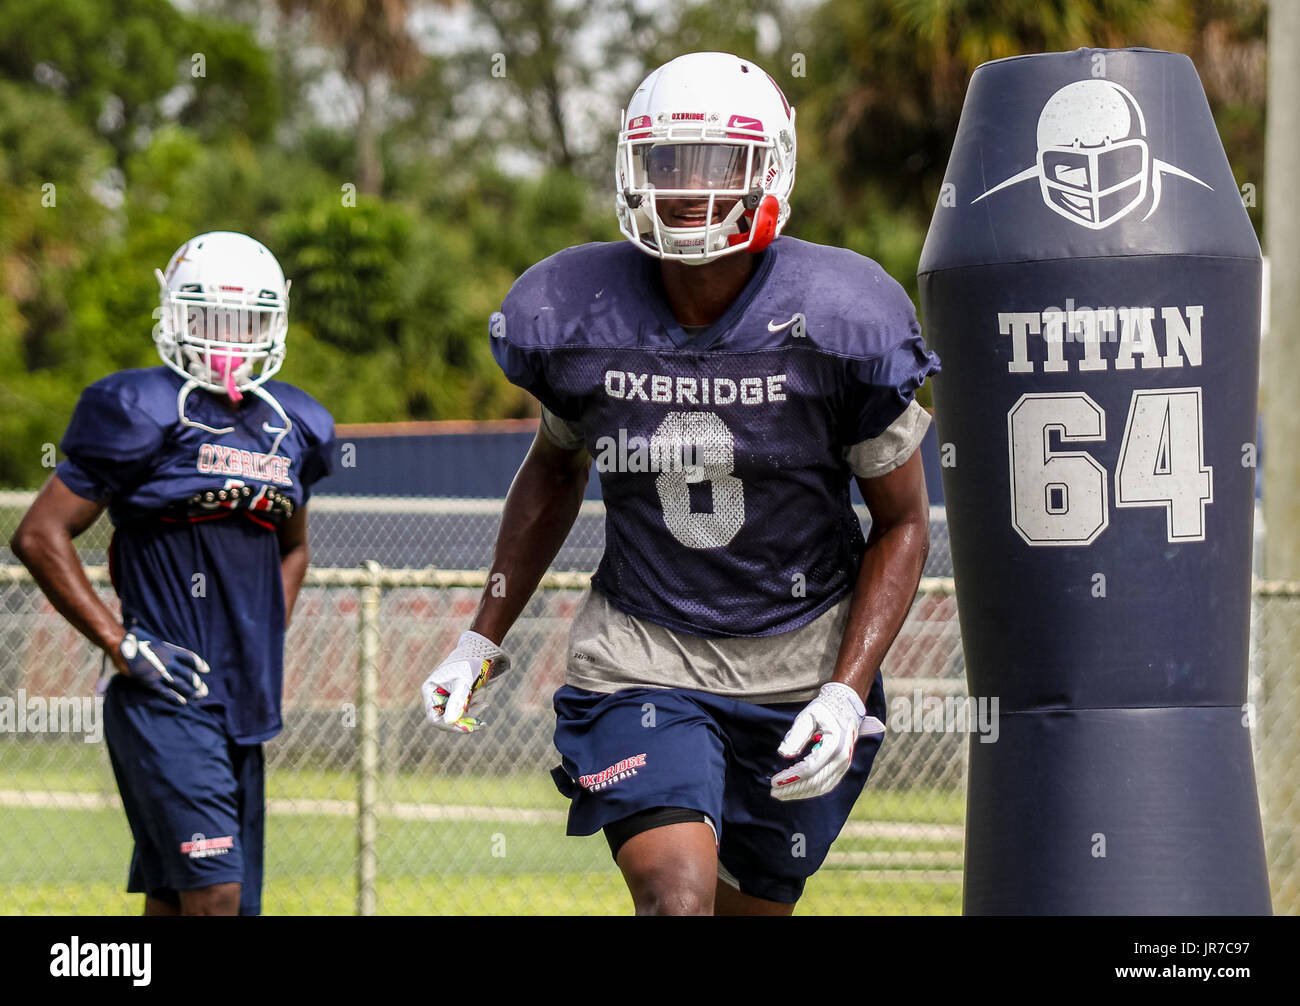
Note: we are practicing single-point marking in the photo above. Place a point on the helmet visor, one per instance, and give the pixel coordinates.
(253, 320)
(244, 326)
(693, 167)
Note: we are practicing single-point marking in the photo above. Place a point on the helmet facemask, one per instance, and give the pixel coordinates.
(718, 180)
(226, 341)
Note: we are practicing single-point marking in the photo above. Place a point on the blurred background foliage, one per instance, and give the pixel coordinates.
(407, 160)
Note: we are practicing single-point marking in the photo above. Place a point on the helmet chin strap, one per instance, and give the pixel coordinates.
(185, 420)
(762, 229)
(259, 391)
(280, 434)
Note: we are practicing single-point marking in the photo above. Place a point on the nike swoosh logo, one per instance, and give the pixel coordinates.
(774, 327)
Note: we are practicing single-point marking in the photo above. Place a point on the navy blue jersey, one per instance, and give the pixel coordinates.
(195, 554)
(720, 452)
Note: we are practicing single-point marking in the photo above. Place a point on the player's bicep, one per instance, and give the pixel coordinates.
(57, 507)
(897, 497)
(292, 533)
(561, 432)
(564, 457)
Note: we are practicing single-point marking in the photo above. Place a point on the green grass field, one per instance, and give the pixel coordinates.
(473, 845)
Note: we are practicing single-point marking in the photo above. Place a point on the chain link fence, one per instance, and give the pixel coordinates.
(1274, 708)
(370, 811)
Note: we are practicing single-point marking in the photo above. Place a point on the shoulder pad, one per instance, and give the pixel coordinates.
(559, 293)
(853, 307)
(123, 417)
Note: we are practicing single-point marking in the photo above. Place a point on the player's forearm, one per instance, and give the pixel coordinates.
(886, 586)
(539, 512)
(48, 553)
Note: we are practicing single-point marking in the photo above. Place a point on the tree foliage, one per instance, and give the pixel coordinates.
(407, 160)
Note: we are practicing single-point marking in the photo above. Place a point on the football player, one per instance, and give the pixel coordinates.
(722, 701)
(205, 466)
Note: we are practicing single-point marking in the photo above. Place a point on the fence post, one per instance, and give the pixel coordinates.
(367, 736)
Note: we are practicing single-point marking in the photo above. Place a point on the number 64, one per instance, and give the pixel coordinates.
(1060, 497)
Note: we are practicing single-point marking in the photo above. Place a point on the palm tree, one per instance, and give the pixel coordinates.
(897, 70)
(374, 45)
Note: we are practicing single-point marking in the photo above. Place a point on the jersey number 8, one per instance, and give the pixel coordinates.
(692, 448)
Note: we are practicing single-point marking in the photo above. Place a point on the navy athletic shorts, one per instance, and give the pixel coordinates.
(195, 800)
(641, 748)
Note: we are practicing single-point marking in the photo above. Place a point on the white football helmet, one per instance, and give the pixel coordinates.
(224, 313)
(704, 131)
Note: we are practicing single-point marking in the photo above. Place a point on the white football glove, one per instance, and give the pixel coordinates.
(833, 722)
(454, 685)
(164, 668)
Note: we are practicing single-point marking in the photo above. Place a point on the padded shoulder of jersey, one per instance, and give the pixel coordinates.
(853, 307)
(143, 393)
(561, 294)
(122, 419)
